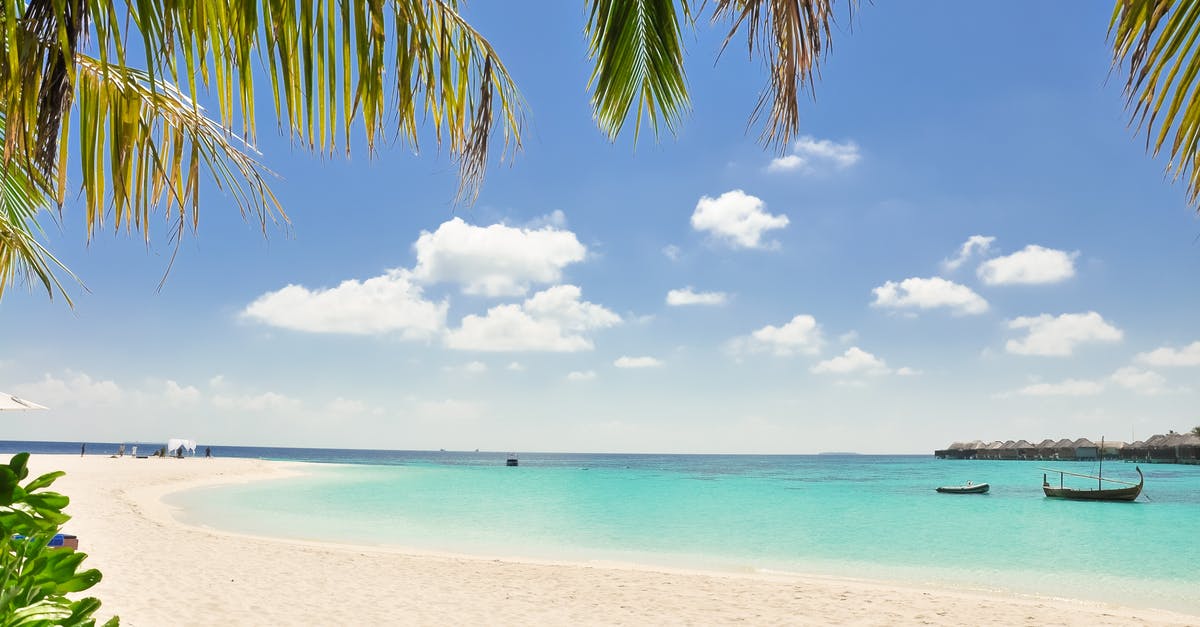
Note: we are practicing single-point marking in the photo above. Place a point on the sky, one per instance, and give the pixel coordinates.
(966, 241)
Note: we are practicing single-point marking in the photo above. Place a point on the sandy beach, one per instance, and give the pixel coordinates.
(158, 571)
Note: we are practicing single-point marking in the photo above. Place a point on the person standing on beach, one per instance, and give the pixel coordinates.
(208, 451)
(82, 449)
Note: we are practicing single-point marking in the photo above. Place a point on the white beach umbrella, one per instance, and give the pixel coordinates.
(8, 402)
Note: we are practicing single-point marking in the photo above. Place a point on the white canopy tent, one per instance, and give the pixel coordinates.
(173, 445)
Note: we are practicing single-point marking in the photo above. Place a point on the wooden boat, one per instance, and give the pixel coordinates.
(1101, 493)
(970, 488)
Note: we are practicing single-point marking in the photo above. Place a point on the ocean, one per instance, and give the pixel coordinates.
(862, 516)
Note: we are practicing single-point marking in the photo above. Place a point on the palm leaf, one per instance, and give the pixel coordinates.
(1157, 39)
(792, 35)
(151, 143)
(22, 258)
(638, 56)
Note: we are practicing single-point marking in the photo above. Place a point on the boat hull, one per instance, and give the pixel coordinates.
(982, 488)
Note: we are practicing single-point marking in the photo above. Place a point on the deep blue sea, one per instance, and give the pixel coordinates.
(874, 517)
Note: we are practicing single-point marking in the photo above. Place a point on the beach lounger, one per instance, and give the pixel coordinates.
(59, 540)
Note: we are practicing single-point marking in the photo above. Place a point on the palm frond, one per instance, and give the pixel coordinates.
(638, 55)
(792, 35)
(151, 144)
(1157, 39)
(22, 257)
(398, 63)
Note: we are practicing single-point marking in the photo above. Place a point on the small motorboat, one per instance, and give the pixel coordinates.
(511, 460)
(970, 488)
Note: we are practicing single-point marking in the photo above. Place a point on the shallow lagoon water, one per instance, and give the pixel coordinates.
(860, 516)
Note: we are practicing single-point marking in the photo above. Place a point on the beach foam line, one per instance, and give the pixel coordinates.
(154, 565)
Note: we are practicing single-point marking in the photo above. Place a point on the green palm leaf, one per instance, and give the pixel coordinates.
(638, 63)
(22, 258)
(1157, 39)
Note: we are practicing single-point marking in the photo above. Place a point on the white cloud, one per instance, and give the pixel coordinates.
(976, 244)
(809, 155)
(686, 296)
(76, 389)
(265, 402)
(1069, 387)
(551, 320)
(175, 394)
(472, 367)
(556, 219)
(391, 303)
(853, 361)
(585, 375)
(515, 366)
(929, 293)
(905, 371)
(1058, 336)
(1031, 265)
(672, 252)
(1167, 356)
(496, 260)
(800, 335)
(346, 407)
(1145, 382)
(737, 218)
(450, 410)
(637, 362)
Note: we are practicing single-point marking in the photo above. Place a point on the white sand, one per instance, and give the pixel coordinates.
(158, 571)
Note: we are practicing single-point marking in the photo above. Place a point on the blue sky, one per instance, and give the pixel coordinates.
(698, 294)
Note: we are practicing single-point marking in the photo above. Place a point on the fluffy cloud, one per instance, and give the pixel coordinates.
(496, 260)
(737, 218)
(686, 296)
(1141, 381)
(581, 375)
(1166, 356)
(801, 335)
(1058, 336)
(853, 361)
(976, 244)
(637, 362)
(175, 394)
(265, 402)
(77, 389)
(515, 366)
(1031, 265)
(391, 303)
(809, 155)
(905, 371)
(929, 293)
(1070, 387)
(472, 367)
(552, 320)
(672, 252)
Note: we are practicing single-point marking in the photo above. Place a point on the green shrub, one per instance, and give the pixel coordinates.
(35, 579)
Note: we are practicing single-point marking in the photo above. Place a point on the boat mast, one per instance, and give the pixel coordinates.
(1100, 474)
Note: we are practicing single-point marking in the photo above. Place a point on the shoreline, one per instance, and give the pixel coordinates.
(154, 564)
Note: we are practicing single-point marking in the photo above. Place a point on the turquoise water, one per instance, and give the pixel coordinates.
(860, 516)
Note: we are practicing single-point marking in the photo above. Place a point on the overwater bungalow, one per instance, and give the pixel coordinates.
(1086, 449)
(1025, 449)
(1008, 450)
(1064, 449)
(1045, 450)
